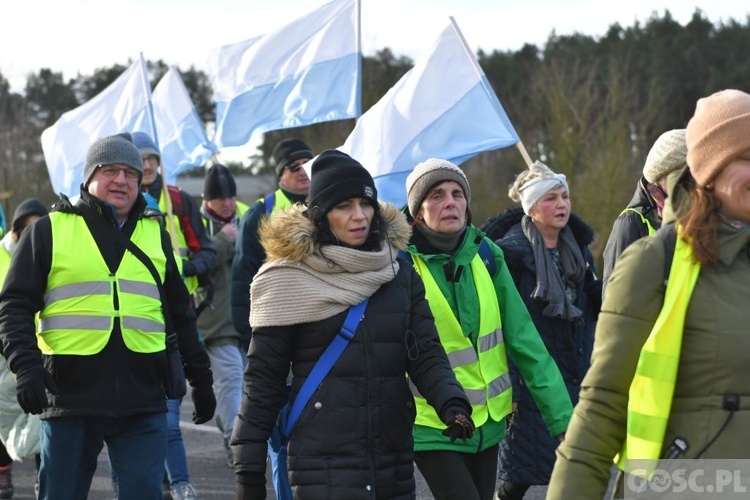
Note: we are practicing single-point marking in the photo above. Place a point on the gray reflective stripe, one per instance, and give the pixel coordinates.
(490, 341)
(142, 324)
(463, 357)
(183, 252)
(140, 288)
(77, 290)
(499, 385)
(414, 391)
(476, 396)
(75, 322)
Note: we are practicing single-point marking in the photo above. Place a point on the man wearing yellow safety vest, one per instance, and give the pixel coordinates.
(289, 155)
(95, 368)
(669, 373)
(193, 245)
(642, 216)
(481, 320)
(221, 213)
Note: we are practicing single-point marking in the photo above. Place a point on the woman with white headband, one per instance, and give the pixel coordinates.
(546, 249)
(482, 322)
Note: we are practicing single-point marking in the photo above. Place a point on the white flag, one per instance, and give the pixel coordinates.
(179, 129)
(444, 107)
(119, 107)
(305, 72)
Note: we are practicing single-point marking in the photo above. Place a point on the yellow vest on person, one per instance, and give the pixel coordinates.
(5, 258)
(82, 299)
(652, 388)
(482, 371)
(280, 200)
(651, 229)
(182, 251)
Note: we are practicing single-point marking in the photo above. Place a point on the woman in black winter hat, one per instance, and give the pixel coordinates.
(353, 438)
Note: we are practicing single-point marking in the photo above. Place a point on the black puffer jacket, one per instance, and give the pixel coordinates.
(527, 453)
(354, 438)
(629, 227)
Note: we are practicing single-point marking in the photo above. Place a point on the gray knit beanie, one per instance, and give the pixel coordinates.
(429, 173)
(110, 150)
(668, 154)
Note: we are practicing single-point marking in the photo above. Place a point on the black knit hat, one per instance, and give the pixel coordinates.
(336, 177)
(29, 206)
(288, 151)
(219, 183)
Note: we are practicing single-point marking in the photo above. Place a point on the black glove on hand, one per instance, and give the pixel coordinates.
(251, 486)
(30, 389)
(459, 422)
(205, 403)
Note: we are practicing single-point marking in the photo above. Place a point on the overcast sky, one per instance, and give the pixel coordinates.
(78, 36)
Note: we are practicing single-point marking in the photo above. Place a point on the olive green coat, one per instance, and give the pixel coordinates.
(714, 361)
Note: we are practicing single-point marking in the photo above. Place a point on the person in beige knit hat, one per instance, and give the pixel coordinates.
(482, 322)
(643, 214)
(668, 377)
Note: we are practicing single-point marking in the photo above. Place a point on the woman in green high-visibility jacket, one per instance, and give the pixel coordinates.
(697, 406)
(481, 319)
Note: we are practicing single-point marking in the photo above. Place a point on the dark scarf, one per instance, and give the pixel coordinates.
(549, 284)
(445, 243)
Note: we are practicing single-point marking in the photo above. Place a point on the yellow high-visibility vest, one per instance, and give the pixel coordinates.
(651, 229)
(482, 371)
(79, 302)
(182, 251)
(652, 389)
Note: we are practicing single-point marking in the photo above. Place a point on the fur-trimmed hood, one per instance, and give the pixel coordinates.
(288, 234)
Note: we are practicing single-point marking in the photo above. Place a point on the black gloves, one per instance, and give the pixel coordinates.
(205, 403)
(30, 389)
(251, 486)
(459, 422)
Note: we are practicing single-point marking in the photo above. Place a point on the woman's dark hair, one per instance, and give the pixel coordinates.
(323, 235)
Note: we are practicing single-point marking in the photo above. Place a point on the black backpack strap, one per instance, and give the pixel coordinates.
(668, 235)
(94, 220)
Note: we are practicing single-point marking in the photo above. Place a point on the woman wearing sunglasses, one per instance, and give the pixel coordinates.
(642, 216)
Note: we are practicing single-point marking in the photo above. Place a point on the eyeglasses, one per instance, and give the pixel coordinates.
(656, 192)
(294, 168)
(112, 171)
(151, 160)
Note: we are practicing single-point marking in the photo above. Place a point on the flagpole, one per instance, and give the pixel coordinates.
(483, 79)
(358, 27)
(165, 190)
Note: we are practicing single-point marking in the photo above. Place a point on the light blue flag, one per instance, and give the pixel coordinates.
(444, 107)
(308, 71)
(119, 107)
(180, 131)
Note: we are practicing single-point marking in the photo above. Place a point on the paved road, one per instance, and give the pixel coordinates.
(210, 475)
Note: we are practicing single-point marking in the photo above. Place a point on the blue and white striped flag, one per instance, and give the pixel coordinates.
(305, 72)
(444, 107)
(119, 107)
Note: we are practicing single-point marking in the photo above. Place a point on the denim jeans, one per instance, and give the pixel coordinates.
(176, 463)
(227, 365)
(70, 447)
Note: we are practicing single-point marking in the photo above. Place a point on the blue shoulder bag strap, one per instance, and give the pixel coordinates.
(485, 253)
(269, 202)
(324, 364)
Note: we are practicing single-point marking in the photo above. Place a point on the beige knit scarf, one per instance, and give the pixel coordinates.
(321, 285)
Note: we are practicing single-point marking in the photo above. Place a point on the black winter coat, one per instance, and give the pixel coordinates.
(527, 454)
(629, 227)
(353, 439)
(115, 381)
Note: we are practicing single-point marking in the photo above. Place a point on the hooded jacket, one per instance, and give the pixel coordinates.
(115, 381)
(712, 365)
(528, 453)
(353, 439)
(522, 342)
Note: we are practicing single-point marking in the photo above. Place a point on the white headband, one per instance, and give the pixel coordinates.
(533, 190)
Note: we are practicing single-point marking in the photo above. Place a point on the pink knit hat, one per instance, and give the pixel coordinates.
(718, 132)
